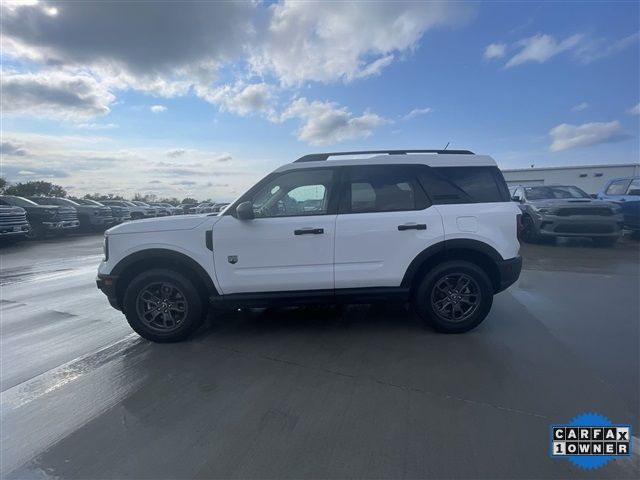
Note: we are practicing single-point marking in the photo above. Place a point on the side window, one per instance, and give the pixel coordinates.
(387, 188)
(619, 187)
(292, 194)
(634, 188)
(446, 185)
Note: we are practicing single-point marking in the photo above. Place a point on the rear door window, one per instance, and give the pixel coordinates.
(382, 188)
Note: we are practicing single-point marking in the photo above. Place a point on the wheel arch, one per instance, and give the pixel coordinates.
(127, 268)
(474, 251)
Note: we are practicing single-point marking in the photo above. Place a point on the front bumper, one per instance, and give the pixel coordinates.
(98, 221)
(107, 285)
(14, 230)
(508, 271)
(579, 225)
(64, 225)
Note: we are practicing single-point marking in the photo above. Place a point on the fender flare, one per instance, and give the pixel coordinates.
(442, 248)
(169, 256)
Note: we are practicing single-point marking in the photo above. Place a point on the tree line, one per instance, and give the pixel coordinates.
(41, 188)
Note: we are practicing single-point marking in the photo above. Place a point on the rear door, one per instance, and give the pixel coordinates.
(289, 245)
(384, 221)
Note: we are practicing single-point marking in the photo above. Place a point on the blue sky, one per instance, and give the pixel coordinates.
(205, 98)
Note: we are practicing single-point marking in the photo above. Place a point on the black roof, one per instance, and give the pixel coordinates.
(319, 157)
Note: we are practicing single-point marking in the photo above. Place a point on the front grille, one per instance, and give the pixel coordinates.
(569, 212)
(13, 220)
(104, 212)
(584, 228)
(67, 215)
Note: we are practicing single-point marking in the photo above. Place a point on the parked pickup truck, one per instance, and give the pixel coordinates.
(13, 222)
(119, 214)
(626, 193)
(91, 217)
(44, 219)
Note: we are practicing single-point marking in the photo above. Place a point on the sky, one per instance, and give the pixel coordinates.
(205, 98)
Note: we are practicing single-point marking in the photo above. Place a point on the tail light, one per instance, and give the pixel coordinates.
(519, 227)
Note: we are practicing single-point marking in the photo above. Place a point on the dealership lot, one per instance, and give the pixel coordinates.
(360, 391)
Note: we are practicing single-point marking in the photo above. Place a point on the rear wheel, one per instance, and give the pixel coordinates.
(454, 297)
(162, 305)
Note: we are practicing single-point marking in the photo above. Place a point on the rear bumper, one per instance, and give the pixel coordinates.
(509, 271)
(107, 285)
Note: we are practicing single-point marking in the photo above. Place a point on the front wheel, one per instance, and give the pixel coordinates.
(162, 305)
(454, 297)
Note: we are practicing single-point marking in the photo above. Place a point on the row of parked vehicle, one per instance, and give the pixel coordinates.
(36, 217)
(550, 211)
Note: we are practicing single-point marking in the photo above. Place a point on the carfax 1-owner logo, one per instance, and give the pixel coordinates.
(590, 440)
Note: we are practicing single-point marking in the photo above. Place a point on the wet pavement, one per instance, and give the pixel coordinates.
(359, 391)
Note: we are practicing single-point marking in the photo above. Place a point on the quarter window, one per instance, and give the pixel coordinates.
(465, 185)
(304, 192)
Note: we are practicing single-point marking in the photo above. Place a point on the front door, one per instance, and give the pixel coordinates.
(289, 245)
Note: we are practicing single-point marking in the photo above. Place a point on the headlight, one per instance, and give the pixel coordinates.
(105, 248)
(540, 210)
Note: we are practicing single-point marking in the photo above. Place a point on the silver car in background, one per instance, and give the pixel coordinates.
(550, 211)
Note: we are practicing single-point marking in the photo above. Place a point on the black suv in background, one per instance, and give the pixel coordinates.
(92, 217)
(44, 218)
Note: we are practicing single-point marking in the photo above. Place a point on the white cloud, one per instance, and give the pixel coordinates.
(54, 94)
(158, 108)
(240, 98)
(595, 49)
(579, 107)
(329, 41)
(567, 136)
(634, 110)
(326, 122)
(416, 112)
(495, 50)
(541, 48)
(97, 126)
(176, 152)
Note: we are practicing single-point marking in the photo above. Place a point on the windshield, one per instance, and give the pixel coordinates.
(555, 192)
(19, 201)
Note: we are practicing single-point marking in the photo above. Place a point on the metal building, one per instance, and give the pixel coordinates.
(589, 178)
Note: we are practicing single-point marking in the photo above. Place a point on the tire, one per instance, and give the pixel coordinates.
(529, 233)
(149, 291)
(605, 241)
(432, 290)
(36, 233)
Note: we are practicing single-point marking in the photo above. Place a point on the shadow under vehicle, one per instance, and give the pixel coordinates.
(551, 211)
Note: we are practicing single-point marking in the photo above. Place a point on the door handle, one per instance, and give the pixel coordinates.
(308, 231)
(412, 226)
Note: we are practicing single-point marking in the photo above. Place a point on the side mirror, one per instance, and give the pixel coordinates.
(244, 211)
(516, 198)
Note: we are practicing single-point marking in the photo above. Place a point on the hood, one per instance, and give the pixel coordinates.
(8, 210)
(161, 224)
(567, 202)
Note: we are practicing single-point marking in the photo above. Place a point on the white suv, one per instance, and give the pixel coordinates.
(434, 228)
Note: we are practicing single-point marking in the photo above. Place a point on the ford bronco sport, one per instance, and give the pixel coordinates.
(434, 228)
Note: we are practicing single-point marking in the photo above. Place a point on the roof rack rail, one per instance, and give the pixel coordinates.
(320, 157)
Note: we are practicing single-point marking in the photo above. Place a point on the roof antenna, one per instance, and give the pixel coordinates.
(446, 146)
